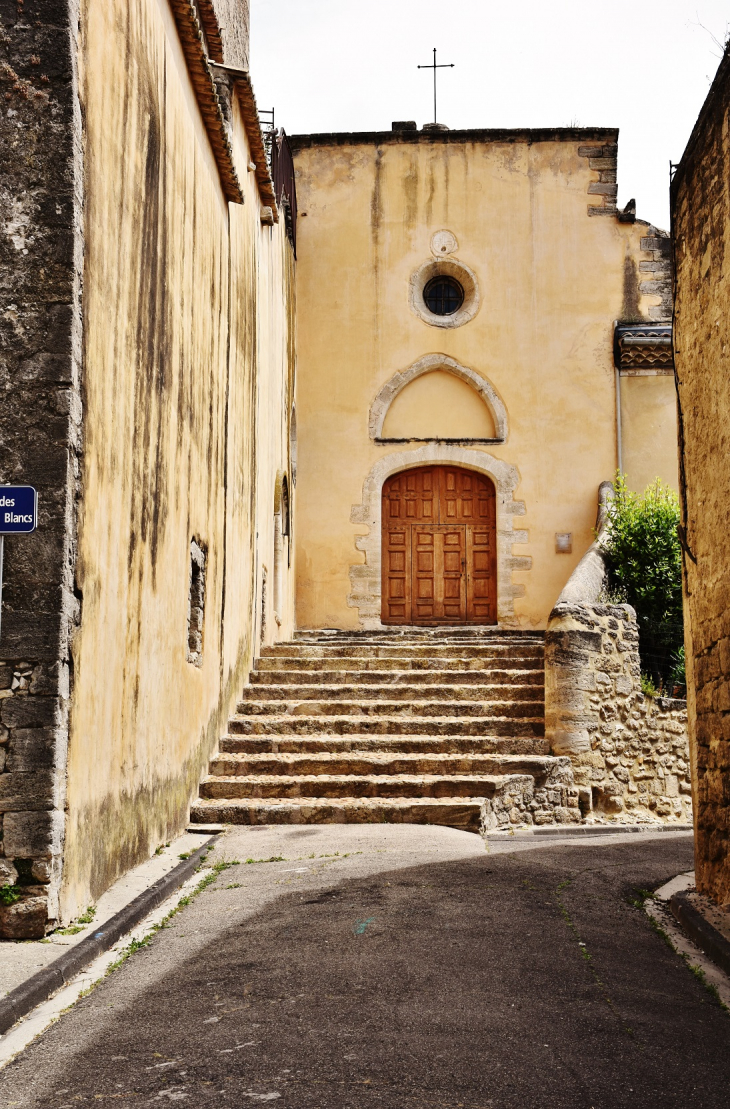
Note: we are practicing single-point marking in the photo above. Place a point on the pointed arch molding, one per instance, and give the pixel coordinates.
(480, 385)
(365, 579)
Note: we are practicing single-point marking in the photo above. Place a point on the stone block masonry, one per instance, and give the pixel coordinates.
(701, 226)
(31, 817)
(630, 753)
(656, 272)
(41, 252)
(604, 159)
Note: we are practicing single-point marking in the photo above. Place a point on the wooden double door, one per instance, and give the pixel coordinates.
(439, 547)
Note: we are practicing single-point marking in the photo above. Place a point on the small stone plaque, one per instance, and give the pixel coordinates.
(563, 542)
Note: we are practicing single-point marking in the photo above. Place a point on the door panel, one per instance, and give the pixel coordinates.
(453, 574)
(439, 574)
(481, 579)
(396, 576)
(439, 547)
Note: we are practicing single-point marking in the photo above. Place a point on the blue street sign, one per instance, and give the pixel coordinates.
(18, 509)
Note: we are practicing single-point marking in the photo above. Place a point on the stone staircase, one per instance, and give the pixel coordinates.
(424, 726)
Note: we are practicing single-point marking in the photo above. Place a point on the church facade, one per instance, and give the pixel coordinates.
(483, 338)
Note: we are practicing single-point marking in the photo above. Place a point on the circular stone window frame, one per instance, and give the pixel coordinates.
(444, 267)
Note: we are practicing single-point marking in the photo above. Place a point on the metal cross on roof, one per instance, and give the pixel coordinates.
(434, 67)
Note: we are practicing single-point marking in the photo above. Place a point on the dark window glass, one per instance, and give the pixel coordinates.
(443, 296)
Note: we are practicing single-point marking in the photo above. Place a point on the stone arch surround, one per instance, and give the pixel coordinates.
(365, 579)
(397, 383)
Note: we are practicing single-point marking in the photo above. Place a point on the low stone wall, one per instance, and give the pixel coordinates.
(630, 753)
(548, 798)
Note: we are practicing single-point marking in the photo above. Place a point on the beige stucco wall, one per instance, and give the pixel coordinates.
(649, 430)
(188, 375)
(551, 283)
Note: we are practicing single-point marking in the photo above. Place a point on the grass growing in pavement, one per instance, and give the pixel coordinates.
(639, 902)
(215, 870)
(704, 981)
(135, 945)
(79, 924)
(586, 955)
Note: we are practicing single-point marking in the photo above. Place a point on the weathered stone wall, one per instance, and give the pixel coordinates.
(629, 752)
(701, 227)
(41, 249)
(146, 359)
(188, 368)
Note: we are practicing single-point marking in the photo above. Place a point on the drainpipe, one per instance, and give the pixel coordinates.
(619, 445)
(617, 371)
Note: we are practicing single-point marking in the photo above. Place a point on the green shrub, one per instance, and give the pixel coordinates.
(9, 895)
(645, 569)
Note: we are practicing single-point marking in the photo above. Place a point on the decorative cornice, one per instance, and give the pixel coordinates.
(530, 135)
(191, 39)
(643, 347)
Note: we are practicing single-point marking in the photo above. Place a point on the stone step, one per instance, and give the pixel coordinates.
(385, 725)
(389, 725)
(421, 708)
(430, 650)
(415, 694)
(412, 632)
(512, 799)
(394, 678)
(383, 762)
(398, 744)
(406, 643)
(404, 664)
(452, 812)
(353, 785)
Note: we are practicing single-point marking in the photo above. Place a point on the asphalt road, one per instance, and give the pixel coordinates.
(417, 972)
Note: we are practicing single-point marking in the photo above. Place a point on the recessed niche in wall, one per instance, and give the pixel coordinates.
(196, 603)
(438, 398)
(438, 405)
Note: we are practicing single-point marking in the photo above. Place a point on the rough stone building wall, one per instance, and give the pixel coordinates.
(630, 752)
(41, 250)
(701, 229)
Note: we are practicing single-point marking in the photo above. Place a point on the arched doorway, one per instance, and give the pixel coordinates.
(439, 547)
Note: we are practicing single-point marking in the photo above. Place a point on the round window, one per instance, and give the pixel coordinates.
(443, 295)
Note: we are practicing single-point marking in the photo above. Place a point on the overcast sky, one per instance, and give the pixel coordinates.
(641, 65)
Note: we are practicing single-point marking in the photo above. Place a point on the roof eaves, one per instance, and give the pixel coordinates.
(191, 40)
